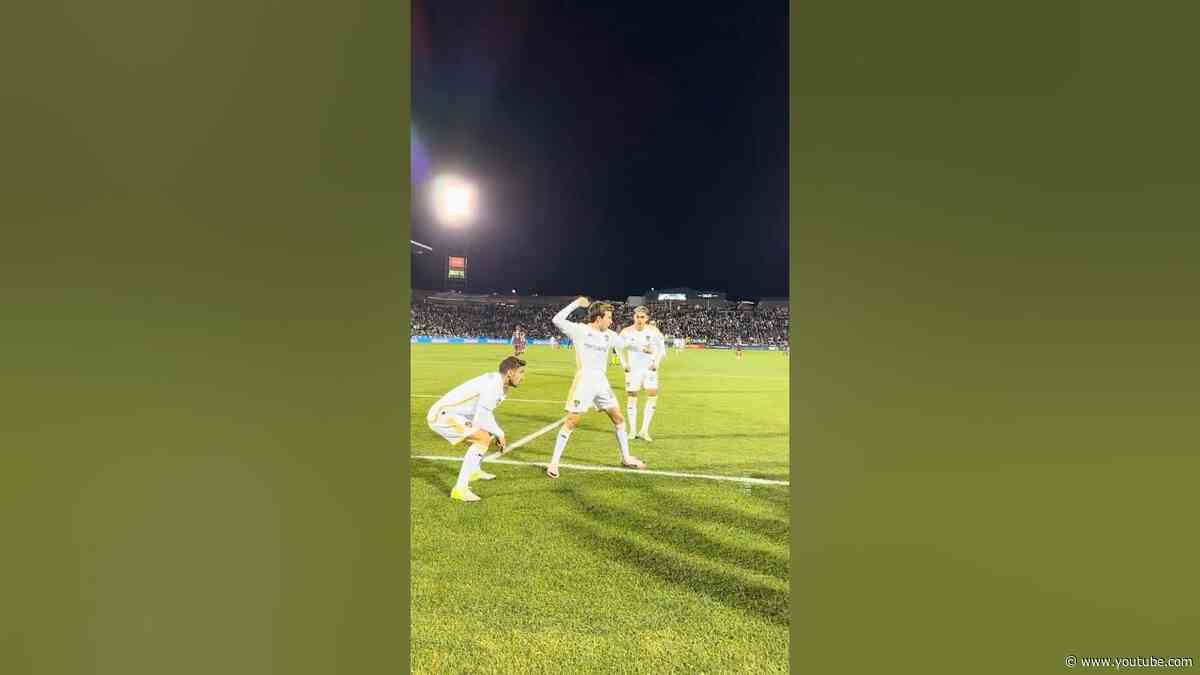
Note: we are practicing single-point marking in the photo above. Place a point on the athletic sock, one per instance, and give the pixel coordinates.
(622, 441)
(560, 444)
(651, 401)
(470, 462)
(631, 412)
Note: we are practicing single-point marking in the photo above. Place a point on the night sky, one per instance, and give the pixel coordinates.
(617, 147)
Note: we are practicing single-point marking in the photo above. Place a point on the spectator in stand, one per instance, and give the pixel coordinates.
(716, 325)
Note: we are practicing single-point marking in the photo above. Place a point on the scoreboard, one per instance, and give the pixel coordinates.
(456, 268)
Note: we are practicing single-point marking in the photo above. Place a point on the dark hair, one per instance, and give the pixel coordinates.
(597, 310)
(509, 363)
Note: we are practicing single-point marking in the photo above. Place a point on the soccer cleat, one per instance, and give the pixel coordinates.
(645, 436)
(480, 474)
(464, 494)
(552, 471)
(633, 463)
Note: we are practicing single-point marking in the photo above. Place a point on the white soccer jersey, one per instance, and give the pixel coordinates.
(474, 400)
(591, 346)
(646, 347)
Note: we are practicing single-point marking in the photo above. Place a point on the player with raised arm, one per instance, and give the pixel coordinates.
(647, 348)
(466, 412)
(592, 341)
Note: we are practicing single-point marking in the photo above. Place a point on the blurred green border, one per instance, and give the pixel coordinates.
(204, 278)
(993, 267)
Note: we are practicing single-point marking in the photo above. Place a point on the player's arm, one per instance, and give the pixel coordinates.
(569, 328)
(485, 417)
(619, 345)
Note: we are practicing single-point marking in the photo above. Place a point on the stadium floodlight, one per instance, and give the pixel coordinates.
(454, 200)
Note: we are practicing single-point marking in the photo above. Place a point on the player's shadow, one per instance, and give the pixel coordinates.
(597, 526)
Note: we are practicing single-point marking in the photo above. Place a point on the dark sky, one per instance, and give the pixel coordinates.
(618, 147)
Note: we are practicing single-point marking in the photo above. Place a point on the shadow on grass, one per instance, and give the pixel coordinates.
(775, 529)
(689, 539)
(439, 475)
(596, 523)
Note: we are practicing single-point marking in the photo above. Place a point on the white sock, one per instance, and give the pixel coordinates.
(650, 402)
(470, 463)
(631, 412)
(622, 441)
(560, 444)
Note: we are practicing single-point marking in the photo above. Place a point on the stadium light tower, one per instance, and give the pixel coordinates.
(455, 203)
(454, 200)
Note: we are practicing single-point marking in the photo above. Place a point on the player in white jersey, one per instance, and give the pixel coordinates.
(592, 341)
(646, 348)
(466, 412)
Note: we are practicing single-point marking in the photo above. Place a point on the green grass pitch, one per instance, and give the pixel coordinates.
(603, 571)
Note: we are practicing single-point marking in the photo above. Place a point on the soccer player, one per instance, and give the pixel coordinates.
(646, 348)
(466, 413)
(593, 341)
(739, 350)
(518, 340)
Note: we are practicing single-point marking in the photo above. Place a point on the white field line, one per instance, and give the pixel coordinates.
(522, 441)
(617, 469)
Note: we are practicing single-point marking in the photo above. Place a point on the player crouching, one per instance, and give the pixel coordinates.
(467, 413)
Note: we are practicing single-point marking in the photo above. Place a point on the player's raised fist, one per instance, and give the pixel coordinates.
(582, 302)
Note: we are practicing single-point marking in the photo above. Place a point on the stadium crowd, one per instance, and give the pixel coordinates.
(747, 324)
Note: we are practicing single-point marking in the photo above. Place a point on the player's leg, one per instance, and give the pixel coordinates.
(485, 439)
(607, 401)
(560, 443)
(632, 386)
(479, 442)
(651, 404)
(574, 406)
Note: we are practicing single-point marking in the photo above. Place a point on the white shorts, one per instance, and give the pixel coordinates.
(590, 390)
(453, 428)
(637, 379)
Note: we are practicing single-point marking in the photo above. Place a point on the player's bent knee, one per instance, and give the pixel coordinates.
(652, 392)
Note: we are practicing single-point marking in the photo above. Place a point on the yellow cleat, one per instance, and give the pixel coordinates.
(464, 494)
(480, 474)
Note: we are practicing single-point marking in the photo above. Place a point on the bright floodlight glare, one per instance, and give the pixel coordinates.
(453, 200)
